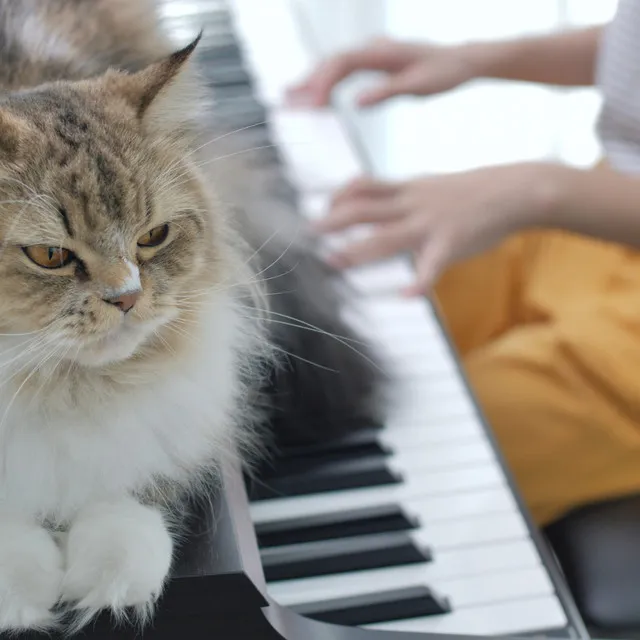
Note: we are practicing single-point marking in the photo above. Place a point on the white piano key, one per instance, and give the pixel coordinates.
(472, 591)
(381, 278)
(416, 485)
(435, 509)
(472, 532)
(482, 560)
(411, 365)
(404, 311)
(314, 206)
(475, 591)
(316, 151)
(430, 413)
(422, 396)
(397, 435)
(409, 457)
(511, 617)
(418, 349)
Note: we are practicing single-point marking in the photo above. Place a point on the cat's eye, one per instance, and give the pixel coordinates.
(49, 257)
(155, 237)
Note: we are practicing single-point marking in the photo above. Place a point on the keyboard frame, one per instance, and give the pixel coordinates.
(346, 116)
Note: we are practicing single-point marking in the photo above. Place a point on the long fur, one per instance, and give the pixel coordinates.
(235, 344)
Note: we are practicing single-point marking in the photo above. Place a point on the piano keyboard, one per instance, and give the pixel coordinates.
(415, 525)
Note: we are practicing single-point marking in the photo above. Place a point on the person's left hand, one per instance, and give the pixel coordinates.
(441, 219)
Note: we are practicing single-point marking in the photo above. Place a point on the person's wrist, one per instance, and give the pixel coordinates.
(479, 58)
(548, 186)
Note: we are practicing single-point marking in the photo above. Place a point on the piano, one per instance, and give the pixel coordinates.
(412, 529)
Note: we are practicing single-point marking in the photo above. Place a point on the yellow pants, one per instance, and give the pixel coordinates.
(548, 328)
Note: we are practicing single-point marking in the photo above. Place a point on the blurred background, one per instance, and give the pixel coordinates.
(484, 122)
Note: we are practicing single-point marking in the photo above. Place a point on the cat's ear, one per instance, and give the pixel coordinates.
(164, 94)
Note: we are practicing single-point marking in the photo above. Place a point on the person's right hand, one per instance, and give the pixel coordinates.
(415, 69)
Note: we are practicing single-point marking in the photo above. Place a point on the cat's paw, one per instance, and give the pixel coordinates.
(118, 556)
(31, 570)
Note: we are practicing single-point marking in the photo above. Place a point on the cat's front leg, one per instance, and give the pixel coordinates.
(31, 570)
(118, 555)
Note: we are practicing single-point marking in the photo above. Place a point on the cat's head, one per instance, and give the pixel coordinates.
(105, 228)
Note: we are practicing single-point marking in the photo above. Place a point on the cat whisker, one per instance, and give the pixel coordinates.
(275, 262)
(28, 333)
(178, 331)
(159, 336)
(174, 181)
(309, 325)
(192, 303)
(34, 343)
(301, 359)
(221, 289)
(206, 144)
(187, 302)
(62, 352)
(3, 431)
(35, 354)
(261, 247)
(304, 326)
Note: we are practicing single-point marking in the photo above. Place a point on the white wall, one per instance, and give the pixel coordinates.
(485, 122)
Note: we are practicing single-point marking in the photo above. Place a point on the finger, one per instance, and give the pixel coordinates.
(359, 211)
(429, 265)
(317, 88)
(384, 243)
(402, 83)
(364, 187)
(408, 82)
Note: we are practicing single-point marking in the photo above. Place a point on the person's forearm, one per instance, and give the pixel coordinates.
(598, 202)
(567, 59)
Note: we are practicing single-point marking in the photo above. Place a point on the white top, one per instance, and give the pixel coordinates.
(618, 77)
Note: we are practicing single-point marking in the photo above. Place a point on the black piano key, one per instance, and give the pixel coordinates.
(225, 92)
(290, 465)
(224, 75)
(215, 33)
(372, 520)
(334, 476)
(341, 556)
(221, 53)
(356, 442)
(386, 606)
(242, 112)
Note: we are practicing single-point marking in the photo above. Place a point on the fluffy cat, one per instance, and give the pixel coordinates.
(135, 346)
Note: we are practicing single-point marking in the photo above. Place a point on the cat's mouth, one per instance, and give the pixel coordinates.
(118, 344)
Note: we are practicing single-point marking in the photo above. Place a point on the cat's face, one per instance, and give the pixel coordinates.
(104, 227)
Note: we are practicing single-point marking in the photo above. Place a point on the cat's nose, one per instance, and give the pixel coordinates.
(126, 301)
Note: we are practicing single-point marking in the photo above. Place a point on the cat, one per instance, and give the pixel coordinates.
(142, 341)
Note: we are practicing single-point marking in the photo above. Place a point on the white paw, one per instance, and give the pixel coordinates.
(30, 576)
(118, 555)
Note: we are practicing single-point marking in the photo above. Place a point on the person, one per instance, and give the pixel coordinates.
(535, 266)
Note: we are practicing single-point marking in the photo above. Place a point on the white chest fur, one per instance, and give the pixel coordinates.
(170, 428)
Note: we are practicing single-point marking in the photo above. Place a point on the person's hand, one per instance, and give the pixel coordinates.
(440, 219)
(417, 69)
